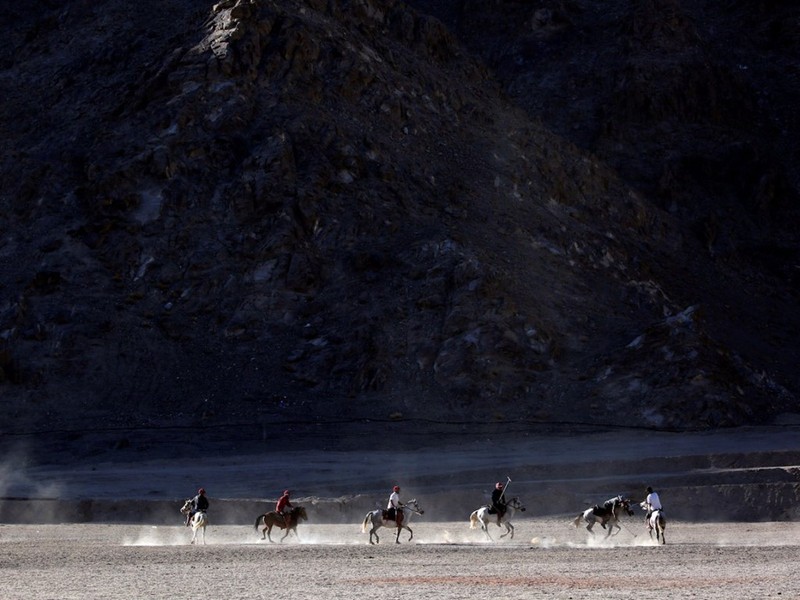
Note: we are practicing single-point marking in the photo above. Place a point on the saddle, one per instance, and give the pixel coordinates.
(390, 514)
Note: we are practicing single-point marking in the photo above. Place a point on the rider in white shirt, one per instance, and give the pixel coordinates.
(653, 503)
(394, 505)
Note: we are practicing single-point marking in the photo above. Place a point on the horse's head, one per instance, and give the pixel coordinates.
(300, 513)
(625, 504)
(516, 504)
(187, 506)
(414, 506)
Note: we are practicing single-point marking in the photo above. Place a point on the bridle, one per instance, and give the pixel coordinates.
(516, 504)
(413, 507)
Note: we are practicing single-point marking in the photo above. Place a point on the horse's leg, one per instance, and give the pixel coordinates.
(410, 533)
(485, 527)
(372, 532)
(397, 537)
(269, 532)
(509, 530)
(617, 525)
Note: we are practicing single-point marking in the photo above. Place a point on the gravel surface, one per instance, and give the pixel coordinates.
(548, 558)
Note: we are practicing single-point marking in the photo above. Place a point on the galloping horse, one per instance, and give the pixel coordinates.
(483, 517)
(607, 514)
(272, 518)
(657, 522)
(377, 519)
(199, 520)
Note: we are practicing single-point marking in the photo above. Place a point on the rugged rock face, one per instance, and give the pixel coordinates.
(306, 209)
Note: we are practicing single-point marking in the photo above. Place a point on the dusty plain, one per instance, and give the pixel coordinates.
(548, 558)
(80, 522)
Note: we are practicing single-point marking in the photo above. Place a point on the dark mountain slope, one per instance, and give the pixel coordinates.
(253, 211)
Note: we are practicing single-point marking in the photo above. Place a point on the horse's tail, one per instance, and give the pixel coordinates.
(366, 522)
(473, 520)
(577, 521)
(259, 518)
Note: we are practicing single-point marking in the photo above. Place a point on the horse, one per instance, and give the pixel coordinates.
(199, 520)
(657, 522)
(272, 518)
(484, 517)
(377, 518)
(607, 515)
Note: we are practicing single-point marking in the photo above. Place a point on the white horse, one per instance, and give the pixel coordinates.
(377, 518)
(607, 515)
(199, 520)
(483, 517)
(657, 522)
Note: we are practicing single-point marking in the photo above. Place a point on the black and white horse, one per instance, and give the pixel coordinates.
(483, 517)
(377, 519)
(607, 515)
(199, 520)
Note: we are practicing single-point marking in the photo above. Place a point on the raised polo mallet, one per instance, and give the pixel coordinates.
(505, 487)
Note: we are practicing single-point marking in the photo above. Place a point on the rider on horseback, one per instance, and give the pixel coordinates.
(199, 503)
(282, 507)
(393, 509)
(498, 502)
(652, 503)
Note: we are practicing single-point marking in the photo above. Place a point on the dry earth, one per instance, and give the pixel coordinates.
(118, 553)
(548, 558)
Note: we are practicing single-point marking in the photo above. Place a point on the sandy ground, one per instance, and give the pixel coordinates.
(548, 558)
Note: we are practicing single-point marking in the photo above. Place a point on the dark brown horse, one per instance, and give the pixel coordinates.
(274, 519)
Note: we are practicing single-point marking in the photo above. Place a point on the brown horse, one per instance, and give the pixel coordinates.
(273, 519)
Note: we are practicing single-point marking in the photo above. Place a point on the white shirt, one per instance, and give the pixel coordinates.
(394, 500)
(654, 501)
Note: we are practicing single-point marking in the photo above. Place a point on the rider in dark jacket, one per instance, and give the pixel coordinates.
(199, 503)
(498, 502)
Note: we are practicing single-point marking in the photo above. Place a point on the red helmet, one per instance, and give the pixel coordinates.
(498, 485)
(396, 488)
(285, 492)
(201, 491)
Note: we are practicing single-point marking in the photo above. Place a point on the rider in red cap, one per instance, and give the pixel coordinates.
(283, 505)
(394, 506)
(498, 502)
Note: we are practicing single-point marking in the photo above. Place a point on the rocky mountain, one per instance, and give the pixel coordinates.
(258, 211)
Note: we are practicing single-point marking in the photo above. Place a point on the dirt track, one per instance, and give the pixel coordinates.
(547, 559)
